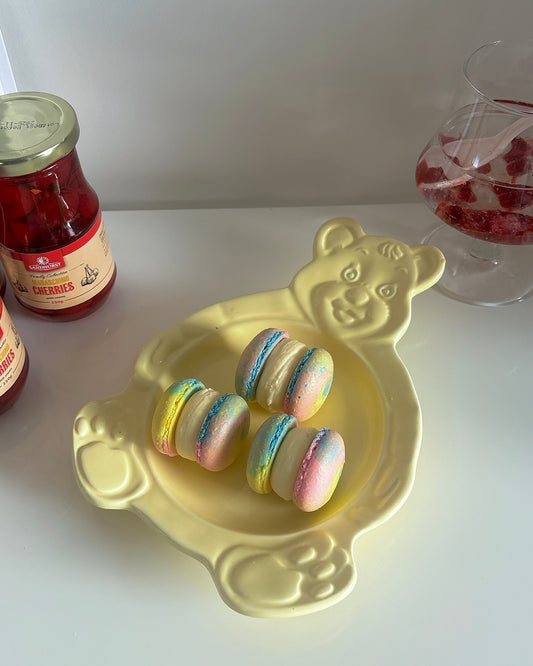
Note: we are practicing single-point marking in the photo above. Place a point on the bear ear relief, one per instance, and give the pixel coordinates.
(54, 245)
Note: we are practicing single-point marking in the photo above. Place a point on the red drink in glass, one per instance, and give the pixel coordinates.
(494, 202)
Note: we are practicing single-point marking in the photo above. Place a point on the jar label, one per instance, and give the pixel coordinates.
(65, 277)
(12, 352)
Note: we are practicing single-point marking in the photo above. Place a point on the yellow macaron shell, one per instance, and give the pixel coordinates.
(167, 413)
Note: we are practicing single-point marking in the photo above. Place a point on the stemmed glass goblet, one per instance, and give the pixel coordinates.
(476, 175)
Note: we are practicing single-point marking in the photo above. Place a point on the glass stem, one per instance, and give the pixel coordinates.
(491, 252)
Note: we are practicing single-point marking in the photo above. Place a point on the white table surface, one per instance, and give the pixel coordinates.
(446, 581)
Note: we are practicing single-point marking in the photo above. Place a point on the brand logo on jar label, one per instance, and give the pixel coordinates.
(44, 263)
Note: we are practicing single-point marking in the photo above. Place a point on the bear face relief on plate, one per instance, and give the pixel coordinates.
(361, 286)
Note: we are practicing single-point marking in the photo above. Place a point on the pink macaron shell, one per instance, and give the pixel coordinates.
(310, 385)
(253, 359)
(320, 471)
(223, 433)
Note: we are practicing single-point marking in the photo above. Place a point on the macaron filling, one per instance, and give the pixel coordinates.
(278, 370)
(191, 421)
(289, 460)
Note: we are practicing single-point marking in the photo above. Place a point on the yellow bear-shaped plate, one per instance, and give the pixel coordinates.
(266, 557)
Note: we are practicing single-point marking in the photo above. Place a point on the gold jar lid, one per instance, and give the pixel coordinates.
(36, 129)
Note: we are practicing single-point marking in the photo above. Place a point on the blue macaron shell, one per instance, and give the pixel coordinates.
(264, 448)
(252, 361)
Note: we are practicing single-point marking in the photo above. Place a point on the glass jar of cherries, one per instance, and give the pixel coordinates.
(53, 243)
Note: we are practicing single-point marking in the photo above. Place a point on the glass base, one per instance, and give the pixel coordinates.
(482, 273)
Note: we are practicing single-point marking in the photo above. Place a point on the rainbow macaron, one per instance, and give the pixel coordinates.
(301, 464)
(200, 424)
(282, 374)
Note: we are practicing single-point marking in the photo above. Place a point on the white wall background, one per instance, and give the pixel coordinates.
(212, 103)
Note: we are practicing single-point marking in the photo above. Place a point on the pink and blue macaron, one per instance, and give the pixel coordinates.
(300, 464)
(200, 424)
(282, 374)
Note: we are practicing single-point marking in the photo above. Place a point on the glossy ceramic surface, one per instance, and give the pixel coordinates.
(266, 557)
